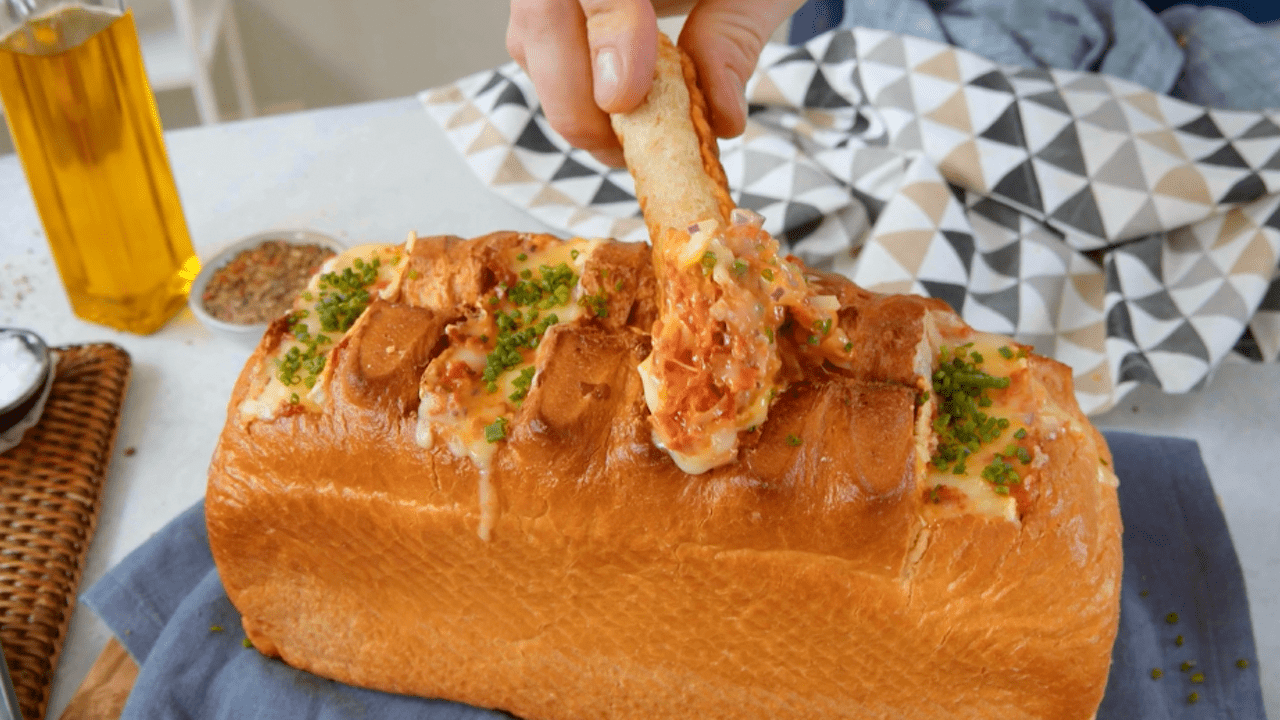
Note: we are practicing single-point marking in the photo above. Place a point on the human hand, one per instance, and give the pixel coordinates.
(589, 58)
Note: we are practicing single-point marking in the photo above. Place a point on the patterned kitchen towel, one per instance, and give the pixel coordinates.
(1130, 235)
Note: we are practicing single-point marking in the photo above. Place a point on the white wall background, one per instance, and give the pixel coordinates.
(304, 54)
(315, 53)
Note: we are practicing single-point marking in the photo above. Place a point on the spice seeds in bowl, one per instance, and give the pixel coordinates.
(255, 280)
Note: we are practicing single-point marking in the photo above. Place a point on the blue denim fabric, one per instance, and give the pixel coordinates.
(1207, 55)
(1230, 62)
(1259, 11)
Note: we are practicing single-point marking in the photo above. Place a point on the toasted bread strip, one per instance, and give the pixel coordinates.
(671, 151)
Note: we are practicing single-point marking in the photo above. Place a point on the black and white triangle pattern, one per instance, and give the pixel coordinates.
(1133, 236)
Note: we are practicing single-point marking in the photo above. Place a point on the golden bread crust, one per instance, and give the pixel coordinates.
(806, 580)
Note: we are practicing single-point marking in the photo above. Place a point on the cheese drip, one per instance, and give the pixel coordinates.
(472, 390)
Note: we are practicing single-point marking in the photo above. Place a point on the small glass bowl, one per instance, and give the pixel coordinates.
(247, 334)
(23, 412)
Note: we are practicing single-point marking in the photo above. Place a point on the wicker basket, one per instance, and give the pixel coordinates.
(50, 490)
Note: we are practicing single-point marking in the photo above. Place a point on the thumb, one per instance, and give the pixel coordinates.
(623, 40)
(724, 38)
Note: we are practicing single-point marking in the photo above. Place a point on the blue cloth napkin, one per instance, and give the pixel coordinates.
(167, 606)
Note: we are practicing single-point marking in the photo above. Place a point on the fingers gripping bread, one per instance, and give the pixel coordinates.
(686, 165)
(730, 305)
(463, 499)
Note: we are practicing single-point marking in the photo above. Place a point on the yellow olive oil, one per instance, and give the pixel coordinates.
(84, 123)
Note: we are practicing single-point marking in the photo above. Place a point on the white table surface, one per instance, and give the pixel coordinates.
(372, 173)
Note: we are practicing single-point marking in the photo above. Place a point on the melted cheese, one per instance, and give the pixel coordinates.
(978, 495)
(455, 405)
(275, 395)
(488, 501)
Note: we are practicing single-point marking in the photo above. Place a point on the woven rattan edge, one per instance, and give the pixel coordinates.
(51, 488)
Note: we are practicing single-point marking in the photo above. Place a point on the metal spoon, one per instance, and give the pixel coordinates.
(9, 709)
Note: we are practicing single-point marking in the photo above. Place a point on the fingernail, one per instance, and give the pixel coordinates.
(606, 76)
(723, 121)
(741, 96)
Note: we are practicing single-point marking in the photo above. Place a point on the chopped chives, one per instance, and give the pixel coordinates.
(961, 387)
(497, 430)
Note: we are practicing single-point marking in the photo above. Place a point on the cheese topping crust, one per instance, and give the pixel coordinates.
(333, 301)
(729, 303)
(471, 390)
(734, 310)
